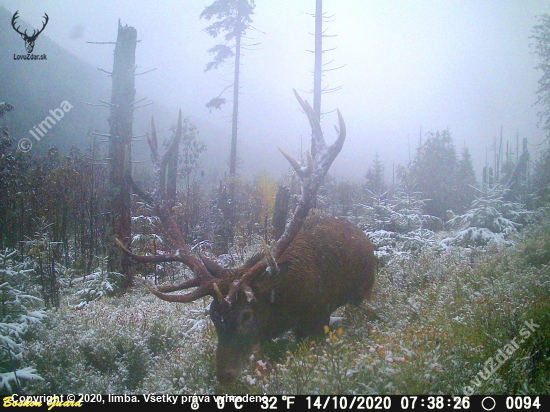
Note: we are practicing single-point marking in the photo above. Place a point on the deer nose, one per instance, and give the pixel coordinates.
(228, 376)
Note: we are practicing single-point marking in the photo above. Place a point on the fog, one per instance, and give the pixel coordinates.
(409, 66)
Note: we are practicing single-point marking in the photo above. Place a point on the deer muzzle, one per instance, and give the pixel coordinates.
(229, 362)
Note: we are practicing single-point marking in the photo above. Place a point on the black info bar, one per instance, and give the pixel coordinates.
(282, 402)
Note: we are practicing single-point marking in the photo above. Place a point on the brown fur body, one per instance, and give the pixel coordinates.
(329, 263)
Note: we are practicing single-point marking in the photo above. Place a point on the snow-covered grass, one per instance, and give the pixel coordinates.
(119, 344)
(18, 313)
(437, 319)
(94, 286)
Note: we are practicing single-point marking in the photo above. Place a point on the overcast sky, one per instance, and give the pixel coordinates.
(465, 65)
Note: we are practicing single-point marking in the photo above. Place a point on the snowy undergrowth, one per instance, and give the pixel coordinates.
(121, 344)
(491, 219)
(19, 311)
(99, 283)
(436, 319)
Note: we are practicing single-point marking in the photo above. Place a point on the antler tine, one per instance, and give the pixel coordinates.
(317, 139)
(302, 171)
(341, 131)
(43, 26)
(189, 283)
(15, 16)
(201, 291)
(168, 257)
(270, 259)
(313, 121)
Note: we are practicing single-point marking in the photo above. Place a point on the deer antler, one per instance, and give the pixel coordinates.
(35, 32)
(35, 35)
(202, 278)
(311, 177)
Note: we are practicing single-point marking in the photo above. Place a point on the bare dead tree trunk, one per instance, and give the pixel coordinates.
(172, 172)
(222, 225)
(280, 211)
(519, 174)
(234, 127)
(317, 71)
(120, 130)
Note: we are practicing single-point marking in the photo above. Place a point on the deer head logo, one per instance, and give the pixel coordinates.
(29, 40)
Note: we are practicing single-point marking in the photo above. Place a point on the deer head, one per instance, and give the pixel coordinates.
(29, 40)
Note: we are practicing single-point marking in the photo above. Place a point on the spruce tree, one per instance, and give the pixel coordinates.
(434, 171)
(466, 181)
(234, 18)
(375, 177)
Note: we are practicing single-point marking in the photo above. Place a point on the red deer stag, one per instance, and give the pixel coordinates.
(317, 265)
